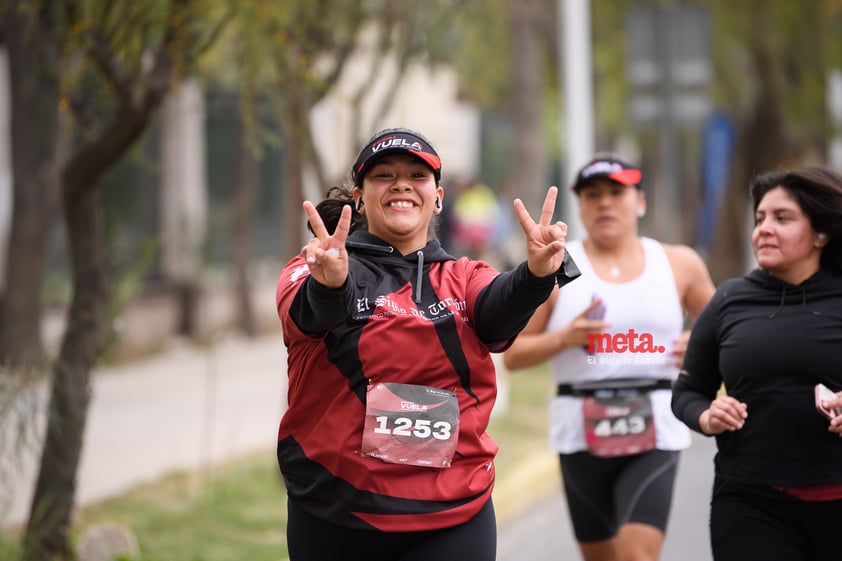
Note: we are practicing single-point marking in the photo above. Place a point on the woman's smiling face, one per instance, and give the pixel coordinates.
(399, 199)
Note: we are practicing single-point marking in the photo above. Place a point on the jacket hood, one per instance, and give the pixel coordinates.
(765, 288)
(365, 242)
(763, 279)
(377, 249)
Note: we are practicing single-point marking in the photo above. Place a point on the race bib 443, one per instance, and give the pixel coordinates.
(618, 422)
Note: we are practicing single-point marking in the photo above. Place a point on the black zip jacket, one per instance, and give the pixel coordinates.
(770, 343)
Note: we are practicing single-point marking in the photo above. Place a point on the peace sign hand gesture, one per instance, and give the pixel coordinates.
(325, 254)
(545, 242)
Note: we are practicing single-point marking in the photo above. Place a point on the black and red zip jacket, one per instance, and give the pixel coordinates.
(425, 318)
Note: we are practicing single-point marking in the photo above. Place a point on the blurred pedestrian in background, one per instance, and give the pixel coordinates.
(384, 449)
(770, 337)
(614, 341)
(477, 220)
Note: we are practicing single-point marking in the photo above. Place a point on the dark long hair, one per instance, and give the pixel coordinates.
(818, 191)
(330, 209)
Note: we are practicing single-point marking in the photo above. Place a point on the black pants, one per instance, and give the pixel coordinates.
(760, 524)
(312, 539)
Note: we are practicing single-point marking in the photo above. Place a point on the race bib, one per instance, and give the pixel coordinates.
(618, 422)
(411, 424)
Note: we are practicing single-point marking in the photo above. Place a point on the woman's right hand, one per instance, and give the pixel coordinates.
(724, 414)
(325, 255)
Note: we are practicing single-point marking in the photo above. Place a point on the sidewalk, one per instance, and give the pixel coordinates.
(187, 408)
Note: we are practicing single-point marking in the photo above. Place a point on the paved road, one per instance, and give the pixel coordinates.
(543, 533)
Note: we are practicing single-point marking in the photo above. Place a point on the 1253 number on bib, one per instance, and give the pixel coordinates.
(411, 424)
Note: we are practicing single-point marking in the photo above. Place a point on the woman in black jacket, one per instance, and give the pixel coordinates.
(770, 338)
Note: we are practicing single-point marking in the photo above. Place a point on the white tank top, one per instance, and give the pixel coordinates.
(645, 318)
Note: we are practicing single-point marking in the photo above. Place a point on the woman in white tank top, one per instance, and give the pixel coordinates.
(614, 340)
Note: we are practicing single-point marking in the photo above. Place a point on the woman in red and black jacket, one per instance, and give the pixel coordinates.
(384, 449)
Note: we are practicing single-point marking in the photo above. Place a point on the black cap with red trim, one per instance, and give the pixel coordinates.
(390, 141)
(609, 167)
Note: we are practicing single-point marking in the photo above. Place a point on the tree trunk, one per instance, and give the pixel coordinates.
(531, 158)
(762, 145)
(243, 219)
(47, 532)
(35, 125)
(297, 120)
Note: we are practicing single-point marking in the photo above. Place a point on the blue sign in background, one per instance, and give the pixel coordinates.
(717, 150)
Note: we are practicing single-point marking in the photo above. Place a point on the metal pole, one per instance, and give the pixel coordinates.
(667, 183)
(6, 185)
(834, 101)
(577, 93)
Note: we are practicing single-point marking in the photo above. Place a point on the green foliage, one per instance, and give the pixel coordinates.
(237, 512)
(483, 57)
(301, 45)
(56, 289)
(610, 62)
(8, 548)
(126, 29)
(113, 51)
(129, 285)
(523, 428)
(793, 45)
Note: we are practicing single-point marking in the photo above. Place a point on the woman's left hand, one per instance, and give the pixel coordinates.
(545, 242)
(836, 422)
